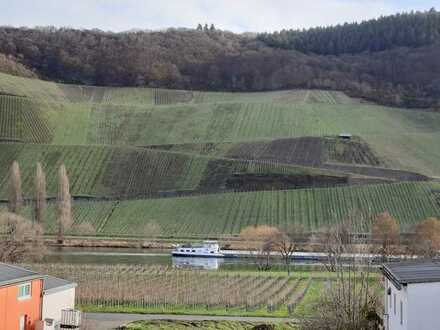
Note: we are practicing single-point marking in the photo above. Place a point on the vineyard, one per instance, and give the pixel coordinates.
(150, 161)
(134, 172)
(152, 288)
(219, 215)
(46, 112)
(23, 120)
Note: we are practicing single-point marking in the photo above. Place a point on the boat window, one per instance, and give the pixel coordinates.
(212, 251)
(187, 250)
(182, 250)
(193, 250)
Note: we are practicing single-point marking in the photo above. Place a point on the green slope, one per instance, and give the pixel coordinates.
(215, 215)
(78, 115)
(132, 172)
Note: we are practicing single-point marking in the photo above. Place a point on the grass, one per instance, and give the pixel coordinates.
(207, 325)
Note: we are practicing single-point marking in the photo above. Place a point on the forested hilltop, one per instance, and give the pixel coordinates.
(392, 60)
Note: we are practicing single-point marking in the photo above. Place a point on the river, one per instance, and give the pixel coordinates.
(149, 257)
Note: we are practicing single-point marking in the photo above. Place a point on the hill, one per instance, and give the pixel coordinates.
(46, 112)
(391, 60)
(193, 164)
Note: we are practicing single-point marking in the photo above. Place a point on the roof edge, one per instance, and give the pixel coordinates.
(22, 279)
(60, 288)
(389, 275)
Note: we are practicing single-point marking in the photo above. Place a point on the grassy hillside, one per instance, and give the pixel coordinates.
(214, 215)
(78, 115)
(125, 147)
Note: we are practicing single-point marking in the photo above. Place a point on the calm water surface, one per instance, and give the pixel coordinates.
(146, 257)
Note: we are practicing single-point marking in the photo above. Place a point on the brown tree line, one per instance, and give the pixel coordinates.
(389, 71)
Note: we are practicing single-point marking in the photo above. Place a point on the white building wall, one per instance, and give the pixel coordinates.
(53, 303)
(424, 306)
(395, 319)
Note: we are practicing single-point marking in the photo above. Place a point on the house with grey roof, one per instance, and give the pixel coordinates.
(29, 300)
(412, 295)
(58, 302)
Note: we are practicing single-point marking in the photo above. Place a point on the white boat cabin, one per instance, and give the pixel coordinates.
(205, 249)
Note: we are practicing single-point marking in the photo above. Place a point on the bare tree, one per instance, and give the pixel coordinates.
(262, 238)
(385, 231)
(15, 193)
(64, 203)
(40, 194)
(21, 239)
(284, 243)
(349, 301)
(427, 238)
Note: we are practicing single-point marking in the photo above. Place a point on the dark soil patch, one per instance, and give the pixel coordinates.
(252, 182)
(307, 151)
(354, 151)
(228, 175)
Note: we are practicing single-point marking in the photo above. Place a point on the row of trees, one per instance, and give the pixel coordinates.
(385, 239)
(23, 238)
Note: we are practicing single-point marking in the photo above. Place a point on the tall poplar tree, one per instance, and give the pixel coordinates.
(15, 193)
(40, 194)
(64, 203)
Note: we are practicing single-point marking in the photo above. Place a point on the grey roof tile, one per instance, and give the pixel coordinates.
(54, 283)
(10, 274)
(412, 271)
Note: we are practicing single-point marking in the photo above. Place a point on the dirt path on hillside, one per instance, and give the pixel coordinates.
(105, 321)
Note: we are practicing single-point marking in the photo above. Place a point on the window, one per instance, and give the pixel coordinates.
(394, 304)
(401, 312)
(24, 291)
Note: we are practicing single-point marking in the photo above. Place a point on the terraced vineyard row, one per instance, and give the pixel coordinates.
(215, 215)
(154, 286)
(23, 120)
(130, 172)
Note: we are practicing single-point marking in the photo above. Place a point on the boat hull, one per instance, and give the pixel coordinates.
(197, 255)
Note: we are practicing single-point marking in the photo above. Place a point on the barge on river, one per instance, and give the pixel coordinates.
(207, 249)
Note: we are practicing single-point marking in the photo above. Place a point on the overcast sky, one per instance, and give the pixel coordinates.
(233, 15)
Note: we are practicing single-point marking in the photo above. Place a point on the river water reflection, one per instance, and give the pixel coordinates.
(148, 257)
(137, 256)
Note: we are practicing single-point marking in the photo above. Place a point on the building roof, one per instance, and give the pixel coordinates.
(55, 284)
(403, 273)
(11, 274)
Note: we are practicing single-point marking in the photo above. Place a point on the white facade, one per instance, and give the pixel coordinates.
(55, 301)
(416, 306)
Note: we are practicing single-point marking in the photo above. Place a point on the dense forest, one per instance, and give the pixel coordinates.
(392, 60)
(401, 30)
